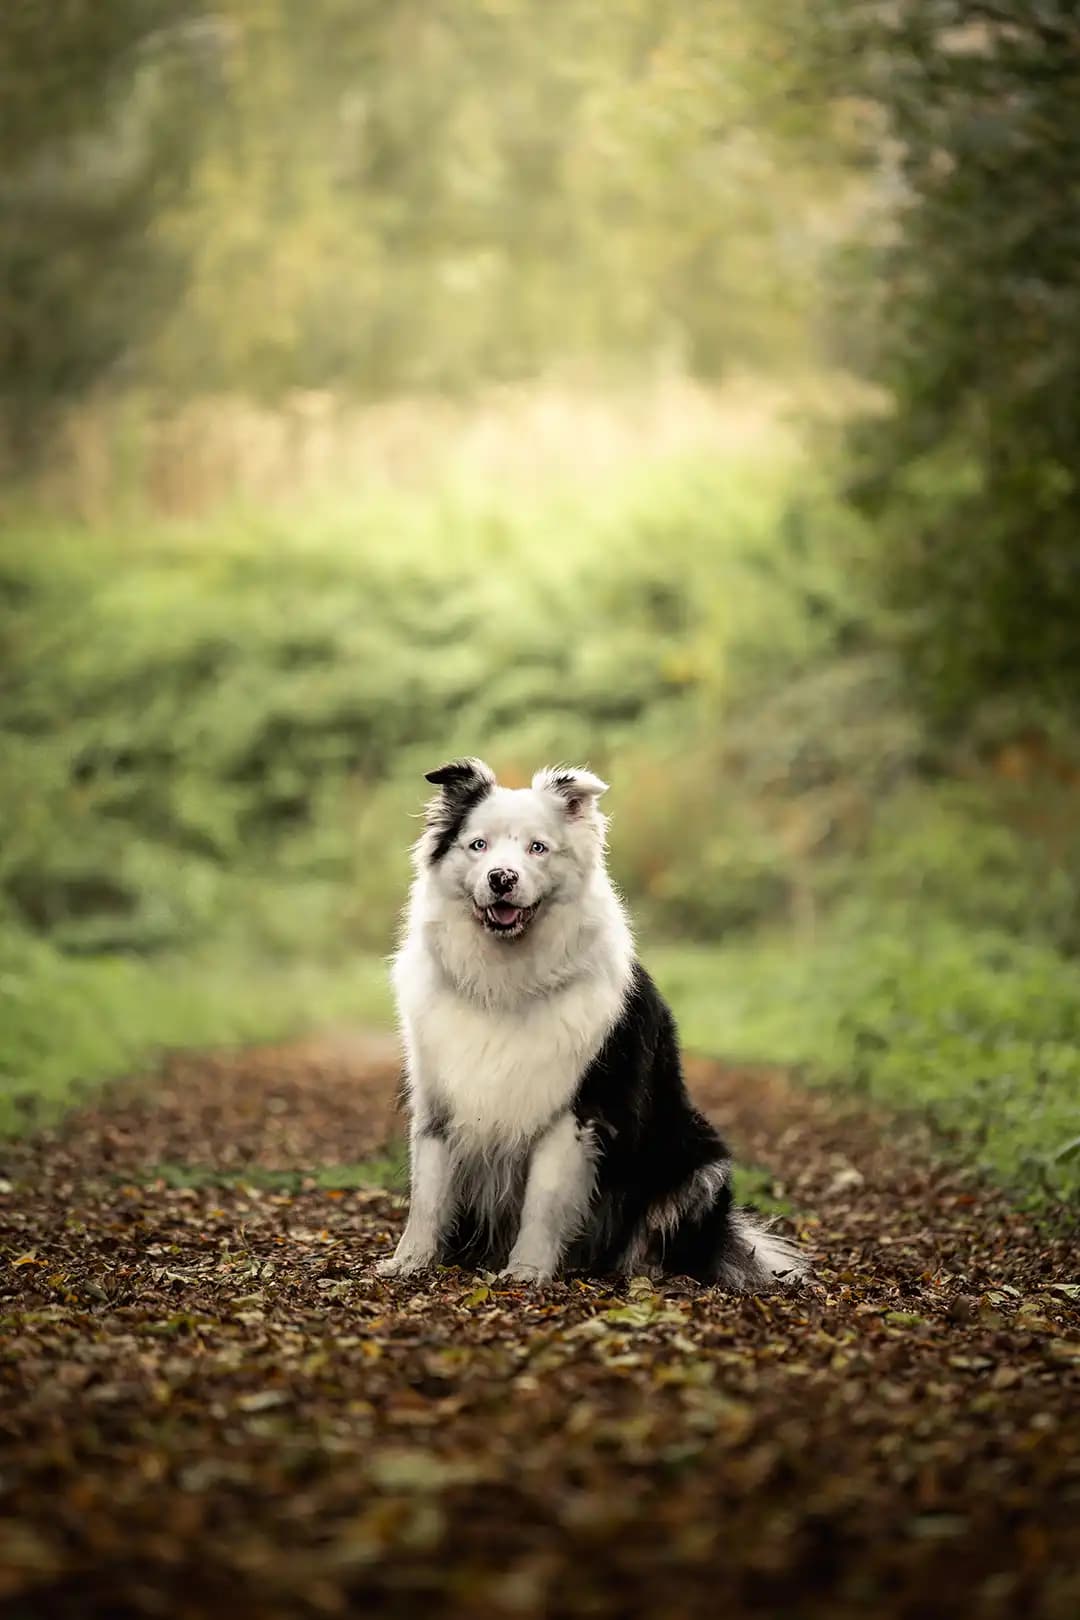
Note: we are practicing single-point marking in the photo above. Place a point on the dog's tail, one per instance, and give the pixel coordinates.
(757, 1257)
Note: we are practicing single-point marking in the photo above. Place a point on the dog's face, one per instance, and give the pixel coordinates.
(509, 854)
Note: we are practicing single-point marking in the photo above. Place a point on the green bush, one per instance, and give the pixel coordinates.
(968, 309)
(916, 1013)
(229, 729)
(214, 742)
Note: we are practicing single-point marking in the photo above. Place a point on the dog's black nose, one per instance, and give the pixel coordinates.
(501, 880)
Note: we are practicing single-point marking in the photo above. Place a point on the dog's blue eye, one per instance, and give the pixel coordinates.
(478, 844)
(537, 848)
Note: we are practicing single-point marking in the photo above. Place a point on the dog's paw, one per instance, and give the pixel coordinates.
(521, 1271)
(403, 1265)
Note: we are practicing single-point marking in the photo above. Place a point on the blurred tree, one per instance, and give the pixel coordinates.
(971, 318)
(94, 104)
(413, 196)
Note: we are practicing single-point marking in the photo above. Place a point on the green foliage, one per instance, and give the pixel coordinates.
(489, 207)
(389, 1170)
(974, 329)
(752, 1185)
(957, 852)
(212, 738)
(96, 136)
(216, 739)
(920, 1013)
(928, 952)
(227, 733)
(54, 67)
(269, 196)
(70, 1023)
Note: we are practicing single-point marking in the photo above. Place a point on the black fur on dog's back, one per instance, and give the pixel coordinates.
(662, 1198)
(650, 1140)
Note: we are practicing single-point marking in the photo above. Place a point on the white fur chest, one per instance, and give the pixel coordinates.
(501, 1074)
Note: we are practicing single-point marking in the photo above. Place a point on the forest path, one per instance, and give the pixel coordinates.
(211, 1405)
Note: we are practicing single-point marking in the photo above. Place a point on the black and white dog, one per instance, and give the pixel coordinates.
(551, 1130)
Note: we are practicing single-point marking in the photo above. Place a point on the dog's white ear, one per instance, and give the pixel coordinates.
(577, 789)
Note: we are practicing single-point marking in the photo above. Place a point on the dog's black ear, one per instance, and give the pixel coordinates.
(578, 789)
(458, 775)
(462, 783)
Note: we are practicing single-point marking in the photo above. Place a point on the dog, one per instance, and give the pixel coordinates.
(550, 1126)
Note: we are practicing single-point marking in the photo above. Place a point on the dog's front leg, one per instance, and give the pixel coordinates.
(558, 1189)
(430, 1204)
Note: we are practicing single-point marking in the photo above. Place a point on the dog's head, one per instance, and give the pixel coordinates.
(509, 854)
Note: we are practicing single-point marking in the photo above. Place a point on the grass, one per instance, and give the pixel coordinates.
(975, 1030)
(387, 1171)
(70, 1024)
(933, 969)
(751, 1184)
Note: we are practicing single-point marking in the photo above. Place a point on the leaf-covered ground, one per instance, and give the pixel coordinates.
(211, 1406)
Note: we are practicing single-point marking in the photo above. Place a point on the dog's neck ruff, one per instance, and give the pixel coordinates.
(498, 1034)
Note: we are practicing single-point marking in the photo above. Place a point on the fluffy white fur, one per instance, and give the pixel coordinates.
(497, 1032)
(766, 1255)
(500, 1019)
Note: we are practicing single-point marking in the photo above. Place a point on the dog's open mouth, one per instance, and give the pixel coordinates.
(505, 919)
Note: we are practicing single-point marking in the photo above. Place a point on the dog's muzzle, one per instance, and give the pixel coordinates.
(504, 919)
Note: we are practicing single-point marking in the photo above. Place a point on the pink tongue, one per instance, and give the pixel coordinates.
(505, 912)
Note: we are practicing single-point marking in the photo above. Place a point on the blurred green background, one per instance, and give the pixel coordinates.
(690, 390)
